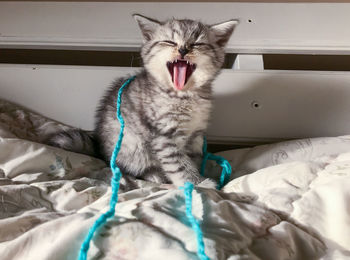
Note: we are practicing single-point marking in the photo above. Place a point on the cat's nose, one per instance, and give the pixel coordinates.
(183, 51)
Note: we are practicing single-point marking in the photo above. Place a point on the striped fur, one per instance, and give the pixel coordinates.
(164, 126)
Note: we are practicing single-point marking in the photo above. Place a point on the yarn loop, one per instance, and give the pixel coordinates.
(225, 165)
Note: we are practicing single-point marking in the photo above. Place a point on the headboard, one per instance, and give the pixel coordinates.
(253, 104)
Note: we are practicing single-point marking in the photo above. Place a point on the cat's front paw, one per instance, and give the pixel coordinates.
(208, 183)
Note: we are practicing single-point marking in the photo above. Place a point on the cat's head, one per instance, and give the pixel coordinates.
(183, 54)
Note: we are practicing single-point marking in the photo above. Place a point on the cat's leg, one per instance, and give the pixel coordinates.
(177, 166)
(154, 174)
(194, 149)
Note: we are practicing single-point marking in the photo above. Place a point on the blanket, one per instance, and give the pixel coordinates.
(288, 200)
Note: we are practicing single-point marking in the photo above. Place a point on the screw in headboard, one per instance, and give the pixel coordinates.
(255, 105)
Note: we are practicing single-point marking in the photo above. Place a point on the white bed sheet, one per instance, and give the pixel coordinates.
(286, 201)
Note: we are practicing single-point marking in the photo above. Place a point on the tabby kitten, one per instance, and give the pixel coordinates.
(166, 108)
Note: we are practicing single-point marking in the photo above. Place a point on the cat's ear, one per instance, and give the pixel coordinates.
(223, 31)
(147, 25)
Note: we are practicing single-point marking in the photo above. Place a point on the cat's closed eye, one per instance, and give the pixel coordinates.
(171, 43)
(197, 44)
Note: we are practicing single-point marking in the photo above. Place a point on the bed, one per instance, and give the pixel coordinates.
(285, 200)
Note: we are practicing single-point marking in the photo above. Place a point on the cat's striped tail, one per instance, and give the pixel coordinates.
(74, 140)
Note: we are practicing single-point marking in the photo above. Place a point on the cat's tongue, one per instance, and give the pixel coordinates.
(180, 75)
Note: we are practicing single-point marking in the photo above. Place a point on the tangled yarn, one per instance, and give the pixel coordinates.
(188, 188)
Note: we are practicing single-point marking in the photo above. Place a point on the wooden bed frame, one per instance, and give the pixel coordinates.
(252, 105)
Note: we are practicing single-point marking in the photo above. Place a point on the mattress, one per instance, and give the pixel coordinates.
(287, 200)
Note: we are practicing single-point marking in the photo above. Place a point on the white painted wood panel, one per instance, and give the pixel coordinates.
(290, 104)
(264, 27)
(272, 105)
(68, 94)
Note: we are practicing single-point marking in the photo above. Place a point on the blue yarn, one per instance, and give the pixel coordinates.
(225, 165)
(114, 181)
(188, 188)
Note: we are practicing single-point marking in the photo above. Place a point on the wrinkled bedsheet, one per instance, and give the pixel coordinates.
(289, 200)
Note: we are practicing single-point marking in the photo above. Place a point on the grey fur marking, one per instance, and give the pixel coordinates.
(164, 126)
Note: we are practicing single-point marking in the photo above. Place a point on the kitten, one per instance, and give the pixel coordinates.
(166, 108)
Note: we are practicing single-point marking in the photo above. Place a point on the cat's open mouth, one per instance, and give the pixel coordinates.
(180, 71)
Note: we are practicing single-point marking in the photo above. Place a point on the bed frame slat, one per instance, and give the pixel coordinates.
(309, 28)
(250, 107)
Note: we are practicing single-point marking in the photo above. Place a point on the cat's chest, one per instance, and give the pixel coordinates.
(187, 115)
(199, 119)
